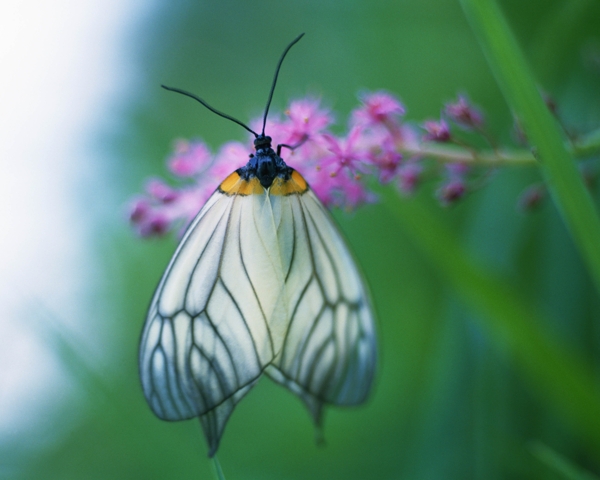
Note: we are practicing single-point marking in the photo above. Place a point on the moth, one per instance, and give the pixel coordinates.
(262, 282)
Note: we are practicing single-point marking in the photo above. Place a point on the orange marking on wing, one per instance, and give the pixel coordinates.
(251, 187)
(299, 181)
(295, 184)
(235, 185)
(230, 184)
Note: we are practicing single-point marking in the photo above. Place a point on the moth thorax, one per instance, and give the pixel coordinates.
(266, 169)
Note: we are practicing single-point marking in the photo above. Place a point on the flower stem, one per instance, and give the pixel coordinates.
(455, 154)
(587, 145)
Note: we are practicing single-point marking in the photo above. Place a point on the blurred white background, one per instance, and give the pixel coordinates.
(62, 67)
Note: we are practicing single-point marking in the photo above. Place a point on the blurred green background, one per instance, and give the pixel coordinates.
(449, 403)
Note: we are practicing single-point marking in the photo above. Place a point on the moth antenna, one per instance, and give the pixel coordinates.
(214, 110)
(229, 117)
(296, 40)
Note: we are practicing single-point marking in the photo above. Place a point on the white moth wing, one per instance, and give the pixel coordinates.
(207, 336)
(258, 283)
(329, 353)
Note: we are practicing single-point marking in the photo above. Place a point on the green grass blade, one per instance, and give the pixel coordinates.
(558, 374)
(560, 464)
(560, 171)
(218, 470)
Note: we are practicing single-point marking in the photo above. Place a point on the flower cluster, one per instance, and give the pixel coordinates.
(335, 167)
(379, 144)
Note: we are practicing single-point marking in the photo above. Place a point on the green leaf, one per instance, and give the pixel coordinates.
(559, 375)
(560, 464)
(560, 171)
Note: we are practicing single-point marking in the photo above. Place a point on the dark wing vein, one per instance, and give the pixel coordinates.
(325, 360)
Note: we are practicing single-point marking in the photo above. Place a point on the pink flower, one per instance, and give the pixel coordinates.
(274, 129)
(333, 166)
(377, 108)
(322, 185)
(454, 186)
(189, 159)
(388, 163)
(306, 119)
(354, 193)
(139, 210)
(385, 158)
(191, 200)
(451, 191)
(160, 191)
(345, 152)
(343, 190)
(147, 219)
(308, 156)
(464, 114)
(156, 225)
(409, 175)
(230, 157)
(436, 131)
